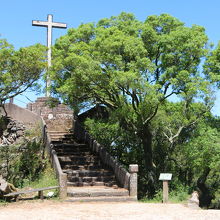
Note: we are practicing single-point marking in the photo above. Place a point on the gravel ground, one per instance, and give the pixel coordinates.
(54, 210)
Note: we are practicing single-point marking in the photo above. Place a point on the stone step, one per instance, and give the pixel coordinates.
(86, 184)
(81, 167)
(69, 145)
(62, 139)
(96, 191)
(61, 142)
(88, 173)
(67, 148)
(60, 132)
(65, 164)
(101, 199)
(73, 158)
(62, 136)
(73, 153)
(83, 161)
(73, 149)
(89, 179)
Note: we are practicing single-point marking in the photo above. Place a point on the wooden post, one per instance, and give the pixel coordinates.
(41, 194)
(165, 191)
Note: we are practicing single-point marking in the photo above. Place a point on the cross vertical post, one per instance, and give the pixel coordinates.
(49, 24)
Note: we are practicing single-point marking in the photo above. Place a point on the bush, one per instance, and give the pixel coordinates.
(177, 195)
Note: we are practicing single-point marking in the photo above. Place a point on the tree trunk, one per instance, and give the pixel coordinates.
(147, 146)
(146, 138)
(205, 197)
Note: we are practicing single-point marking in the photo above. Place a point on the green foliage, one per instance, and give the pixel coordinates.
(34, 132)
(178, 195)
(123, 61)
(19, 70)
(3, 202)
(135, 69)
(46, 178)
(24, 162)
(212, 65)
(31, 163)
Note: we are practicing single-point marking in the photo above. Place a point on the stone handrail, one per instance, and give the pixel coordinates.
(28, 117)
(127, 180)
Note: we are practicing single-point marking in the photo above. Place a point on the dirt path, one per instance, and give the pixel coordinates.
(44, 210)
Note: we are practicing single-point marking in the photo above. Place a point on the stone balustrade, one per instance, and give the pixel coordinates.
(127, 180)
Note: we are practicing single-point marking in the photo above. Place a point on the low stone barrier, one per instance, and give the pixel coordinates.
(62, 177)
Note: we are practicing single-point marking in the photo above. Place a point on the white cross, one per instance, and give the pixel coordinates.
(49, 24)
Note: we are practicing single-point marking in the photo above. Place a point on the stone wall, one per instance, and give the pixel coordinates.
(57, 118)
(12, 133)
(20, 114)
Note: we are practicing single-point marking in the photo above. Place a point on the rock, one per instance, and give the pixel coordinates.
(10, 125)
(193, 202)
(50, 116)
(14, 136)
(5, 133)
(10, 139)
(12, 133)
(5, 141)
(3, 165)
(20, 133)
(3, 184)
(50, 194)
(6, 187)
(14, 128)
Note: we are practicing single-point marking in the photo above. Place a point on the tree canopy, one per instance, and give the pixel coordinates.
(19, 70)
(147, 74)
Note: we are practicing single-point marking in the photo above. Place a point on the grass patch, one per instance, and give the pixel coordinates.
(179, 195)
(46, 179)
(3, 202)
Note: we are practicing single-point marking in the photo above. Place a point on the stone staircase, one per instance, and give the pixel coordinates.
(88, 179)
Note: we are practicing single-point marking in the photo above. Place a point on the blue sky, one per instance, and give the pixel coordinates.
(16, 17)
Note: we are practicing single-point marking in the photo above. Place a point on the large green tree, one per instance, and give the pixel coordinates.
(19, 70)
(133, 68)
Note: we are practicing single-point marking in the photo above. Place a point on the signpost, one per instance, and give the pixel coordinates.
(165, 177)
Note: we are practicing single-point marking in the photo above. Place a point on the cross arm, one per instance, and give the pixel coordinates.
(40, 23)
(46, 24)
(59, 25)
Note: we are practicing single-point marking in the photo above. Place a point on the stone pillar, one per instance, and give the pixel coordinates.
(63, 186)
(29, 106)
(133, 169)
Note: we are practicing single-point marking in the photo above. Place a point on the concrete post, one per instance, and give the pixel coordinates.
(133, 169)
(63, 186)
